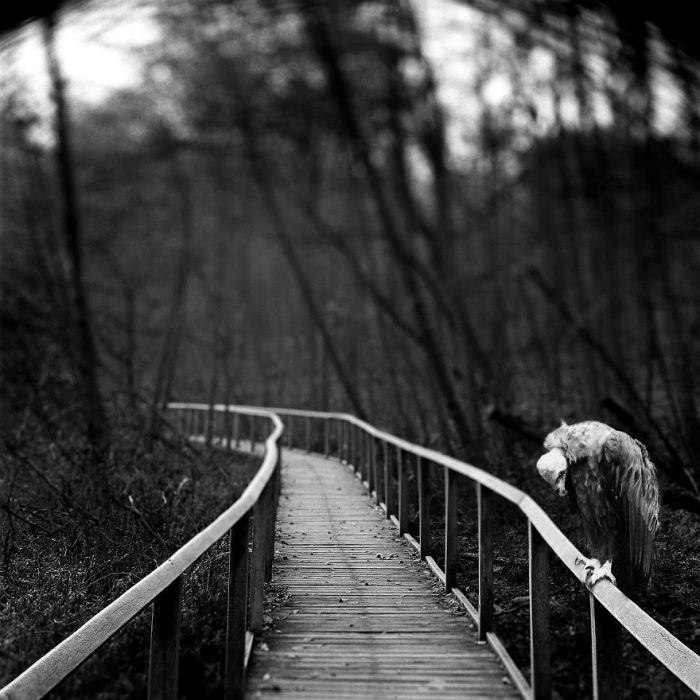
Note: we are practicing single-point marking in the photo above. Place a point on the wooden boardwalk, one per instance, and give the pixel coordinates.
(359, 615)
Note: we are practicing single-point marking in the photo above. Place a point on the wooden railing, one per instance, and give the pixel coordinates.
(381, 460)
(249, 522)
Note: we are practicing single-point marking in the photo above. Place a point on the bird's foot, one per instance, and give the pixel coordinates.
(604, 571)
(589, 565)
(594, 571)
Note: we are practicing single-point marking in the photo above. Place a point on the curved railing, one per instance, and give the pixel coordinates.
(253, 512)
(381, 460)
(369, 450)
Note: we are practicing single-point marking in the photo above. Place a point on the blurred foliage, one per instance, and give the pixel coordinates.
(461, 220)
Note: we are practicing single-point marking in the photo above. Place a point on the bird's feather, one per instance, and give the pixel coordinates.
(636, 490)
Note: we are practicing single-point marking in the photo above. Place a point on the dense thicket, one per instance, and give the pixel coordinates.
(298, 207)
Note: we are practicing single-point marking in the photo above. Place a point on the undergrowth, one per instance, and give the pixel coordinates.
(78, 530)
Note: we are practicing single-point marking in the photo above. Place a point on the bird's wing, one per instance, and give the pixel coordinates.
(636, 489)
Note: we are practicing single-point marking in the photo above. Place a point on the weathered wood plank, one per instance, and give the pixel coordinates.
(362, 616)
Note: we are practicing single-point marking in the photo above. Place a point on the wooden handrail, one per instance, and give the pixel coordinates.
(357, 443)
(162, 587)
(681, 661)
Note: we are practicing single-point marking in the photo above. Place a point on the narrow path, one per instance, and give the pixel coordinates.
(357, 614)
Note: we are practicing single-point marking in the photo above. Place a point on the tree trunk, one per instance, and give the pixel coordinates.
(84, 343)
(176, 315)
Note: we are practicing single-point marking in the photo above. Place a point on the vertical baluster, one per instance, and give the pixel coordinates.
(388, 481)
(236, 611)
(258, 562)
(291, 431)
(308, 434)
(210, 425)
(450, 529)
(339, 439)
(423, 508)
(165, 643)
(541, 673)
(606, 652)
(326, 437)
(237, 429)
(353, 446)
(359, 434)
(402, 467)
(371, 480)
(375, 468)
(485, 512)
(251, 423)
(227, 428)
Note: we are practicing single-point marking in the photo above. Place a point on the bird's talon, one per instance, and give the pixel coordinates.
(602, 572)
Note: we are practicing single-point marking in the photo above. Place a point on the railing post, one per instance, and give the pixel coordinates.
(367, 448)
(209, 426)
(388, 481)
(374, 467)
(402, 467)
(485, 508)
(450, 529)
(606, 652)
(237, 429)
(353, 447)
(236, 610)
(540, 657)
(165, 643)
(423, 509)
(258, 568)
(229, 421)
(221, 429)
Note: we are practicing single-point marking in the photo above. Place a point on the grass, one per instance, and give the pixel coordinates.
(72, 545)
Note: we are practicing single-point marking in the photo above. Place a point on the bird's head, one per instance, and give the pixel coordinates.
(552, 467)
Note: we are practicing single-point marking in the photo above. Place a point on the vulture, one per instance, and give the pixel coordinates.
(608, 478)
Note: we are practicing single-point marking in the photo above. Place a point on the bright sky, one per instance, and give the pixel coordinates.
(98, 51)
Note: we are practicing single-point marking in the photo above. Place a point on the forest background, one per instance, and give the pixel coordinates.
(462, 223)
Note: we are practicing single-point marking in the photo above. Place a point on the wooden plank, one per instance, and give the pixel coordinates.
(361, 616)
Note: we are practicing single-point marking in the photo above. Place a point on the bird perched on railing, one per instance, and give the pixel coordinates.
(608, 478)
